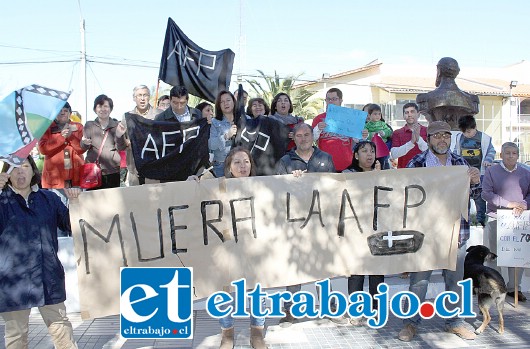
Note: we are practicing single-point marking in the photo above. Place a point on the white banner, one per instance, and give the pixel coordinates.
(276, 230)
(513, 239)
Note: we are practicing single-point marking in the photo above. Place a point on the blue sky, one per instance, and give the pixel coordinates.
(291, 37)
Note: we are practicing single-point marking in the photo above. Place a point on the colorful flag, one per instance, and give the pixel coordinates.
(25, 115)
(204, 73)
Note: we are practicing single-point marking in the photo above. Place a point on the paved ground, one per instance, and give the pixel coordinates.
(103, 333)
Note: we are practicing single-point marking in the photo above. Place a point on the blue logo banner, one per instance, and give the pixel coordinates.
(156, 303)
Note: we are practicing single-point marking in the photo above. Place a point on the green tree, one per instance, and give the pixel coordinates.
(302, 104)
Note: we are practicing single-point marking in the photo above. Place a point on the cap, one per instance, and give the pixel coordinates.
(438, 126)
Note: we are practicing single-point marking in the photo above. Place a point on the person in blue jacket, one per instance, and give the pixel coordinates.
(30, 272)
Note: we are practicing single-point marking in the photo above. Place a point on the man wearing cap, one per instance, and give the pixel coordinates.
(438, 154)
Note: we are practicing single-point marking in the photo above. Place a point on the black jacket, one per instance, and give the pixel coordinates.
(319, 162)
(168, 115)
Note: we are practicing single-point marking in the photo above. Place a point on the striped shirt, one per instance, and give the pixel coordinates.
(428, 159)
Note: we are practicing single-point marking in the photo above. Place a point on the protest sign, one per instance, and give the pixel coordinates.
(276, 230)
(513, 239)
(345, 121)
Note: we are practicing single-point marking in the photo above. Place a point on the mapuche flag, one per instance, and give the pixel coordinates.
(25, 115)
(168, 150)
(204, 73)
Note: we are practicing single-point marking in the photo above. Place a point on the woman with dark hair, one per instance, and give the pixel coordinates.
(363, 158)
(265, 137)
(206, 110)
(281, 109)
(364, 161)
(103, 139)
(256, 107)
(239, 164)
(31, 272)
(222, 131)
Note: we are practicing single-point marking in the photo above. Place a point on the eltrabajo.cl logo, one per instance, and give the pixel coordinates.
(156, 303)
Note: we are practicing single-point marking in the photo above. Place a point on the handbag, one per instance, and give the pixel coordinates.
(90, 176)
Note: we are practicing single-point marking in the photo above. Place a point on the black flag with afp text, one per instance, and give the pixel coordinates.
(166, 150)
(204, 73)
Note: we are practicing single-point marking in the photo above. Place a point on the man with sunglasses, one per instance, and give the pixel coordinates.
(438, 154)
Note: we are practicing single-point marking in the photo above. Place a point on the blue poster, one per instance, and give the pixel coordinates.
(345, 121)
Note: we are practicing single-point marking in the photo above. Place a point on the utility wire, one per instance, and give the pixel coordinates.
(39, 62)
(95, 77)
(72, 75)
(36, 49)
(124, 64)
(155, 66)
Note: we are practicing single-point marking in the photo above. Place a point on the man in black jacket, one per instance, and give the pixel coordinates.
(185, 117)
(179, 110)
(304, 157)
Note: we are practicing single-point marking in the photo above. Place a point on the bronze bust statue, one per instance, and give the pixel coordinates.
(447, 102)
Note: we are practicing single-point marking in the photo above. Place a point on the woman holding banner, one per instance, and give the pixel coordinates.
(31, 272)
(281, 109)
(239, 164)
(222, 131)
(256, 107)
(364, 160)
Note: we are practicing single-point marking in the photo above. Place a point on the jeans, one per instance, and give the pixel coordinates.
(228, 321)
(219, 169)
(385, 164)
(419, 282)
(356, 283)
(480, 205)
(491, 232)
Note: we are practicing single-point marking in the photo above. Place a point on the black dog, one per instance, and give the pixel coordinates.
(487, 282)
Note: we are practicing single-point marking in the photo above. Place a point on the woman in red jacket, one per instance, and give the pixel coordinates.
(62, 152)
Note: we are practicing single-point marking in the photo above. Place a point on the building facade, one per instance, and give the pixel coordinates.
(504, 93)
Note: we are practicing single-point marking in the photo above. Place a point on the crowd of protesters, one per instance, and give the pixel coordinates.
(68, 144)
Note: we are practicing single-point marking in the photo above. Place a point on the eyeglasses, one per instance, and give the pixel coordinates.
(142, 96)
(332, 99)
(441, 135)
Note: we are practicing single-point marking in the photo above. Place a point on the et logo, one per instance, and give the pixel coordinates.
(156, 303)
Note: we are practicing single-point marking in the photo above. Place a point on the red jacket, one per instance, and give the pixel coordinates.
(402, 136)
(339, 147)
(54, 146)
